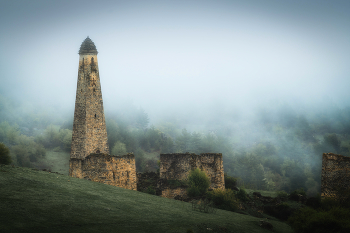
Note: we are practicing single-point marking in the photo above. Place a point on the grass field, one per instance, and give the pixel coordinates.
(38, 201)
(58, 161)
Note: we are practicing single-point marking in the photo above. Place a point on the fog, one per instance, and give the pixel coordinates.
(178, 56)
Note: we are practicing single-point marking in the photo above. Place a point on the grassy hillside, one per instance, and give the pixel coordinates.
(38, 201)
(58, 161)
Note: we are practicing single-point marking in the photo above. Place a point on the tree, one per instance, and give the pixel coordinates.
(4, 154)
(142, 119)
(196, 142)
(183, 142)
(198, 182)
(119, 148)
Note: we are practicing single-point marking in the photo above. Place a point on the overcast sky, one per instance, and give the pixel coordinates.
(163, 55)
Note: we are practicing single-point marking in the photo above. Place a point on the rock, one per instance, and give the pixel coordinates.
(266, 225)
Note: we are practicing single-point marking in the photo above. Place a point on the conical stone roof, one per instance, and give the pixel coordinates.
(87, 47)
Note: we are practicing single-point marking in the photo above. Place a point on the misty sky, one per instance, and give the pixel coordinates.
(171, 55)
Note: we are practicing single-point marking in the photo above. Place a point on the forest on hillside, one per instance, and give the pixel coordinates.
(278, 147)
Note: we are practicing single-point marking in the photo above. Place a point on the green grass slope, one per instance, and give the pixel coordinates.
(58, 161)
(38, 201)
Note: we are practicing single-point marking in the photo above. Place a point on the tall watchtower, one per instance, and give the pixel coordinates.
(89, 126)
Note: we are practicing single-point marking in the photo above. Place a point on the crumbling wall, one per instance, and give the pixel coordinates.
(118, 171)
(178, 166)
(335, 175)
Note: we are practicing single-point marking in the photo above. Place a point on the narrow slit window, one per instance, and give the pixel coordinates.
(95, 115)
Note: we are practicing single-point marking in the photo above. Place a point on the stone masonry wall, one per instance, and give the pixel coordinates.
(335, 175)
(118, 171)
(89, 127)
(177, 167)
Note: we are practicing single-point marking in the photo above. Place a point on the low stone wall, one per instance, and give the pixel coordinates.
(335, 178)
(118, 171)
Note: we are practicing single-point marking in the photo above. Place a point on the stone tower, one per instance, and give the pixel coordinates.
(89, 126)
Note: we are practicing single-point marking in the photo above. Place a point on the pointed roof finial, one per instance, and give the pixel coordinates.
(87, 46)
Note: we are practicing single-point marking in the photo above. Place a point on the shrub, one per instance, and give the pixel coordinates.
(224, 199)
(281, 211)
(4, 154)
(295, 194)
(151, 190)
(282, 194)
(242, 195)
(309, 220)
(230, 182)
(314, 202)
(198, 182)
(328, 203)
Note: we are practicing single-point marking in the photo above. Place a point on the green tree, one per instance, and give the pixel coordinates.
(198, 182)
(119, 148)
(196, 142)
(142, 119)
(4, 154)
(167, 145)
(183, 142)
(209, 143)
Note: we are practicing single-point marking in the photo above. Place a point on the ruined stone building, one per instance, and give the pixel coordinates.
(335, 178)
(90, 157)
(175, 168)
(178, 166)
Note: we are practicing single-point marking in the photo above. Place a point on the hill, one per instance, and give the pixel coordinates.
(39, 201)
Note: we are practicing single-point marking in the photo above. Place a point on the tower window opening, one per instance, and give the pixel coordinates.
(95, 115)
(94, 89)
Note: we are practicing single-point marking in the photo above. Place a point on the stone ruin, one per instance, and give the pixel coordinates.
(335, 179)
(178, 166)
(118, 171)
(89, 151)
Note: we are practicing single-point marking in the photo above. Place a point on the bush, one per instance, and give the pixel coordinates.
(151, 190)
(328, 203)
(281, 211)
(198, 182)
(230, 182)
(309, 220)
(242, 195)
(224, 199)
(282, 194)
(4, 154)
(314, 202)
(295, 194)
